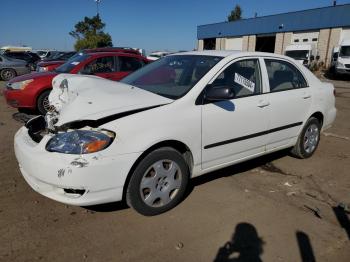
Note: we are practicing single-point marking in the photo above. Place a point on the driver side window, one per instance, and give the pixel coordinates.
(243, 77)
(100, 65)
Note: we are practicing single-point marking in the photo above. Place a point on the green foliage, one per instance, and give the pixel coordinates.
(236, 14)
(89, 34)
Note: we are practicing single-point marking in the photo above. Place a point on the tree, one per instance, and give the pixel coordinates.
(89, 34)
(236, 14)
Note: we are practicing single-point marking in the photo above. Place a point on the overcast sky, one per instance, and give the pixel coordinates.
(152, 25)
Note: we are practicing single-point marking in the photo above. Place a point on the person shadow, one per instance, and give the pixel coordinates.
(245, 245)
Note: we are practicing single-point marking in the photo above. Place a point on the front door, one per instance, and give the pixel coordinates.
(235, 129)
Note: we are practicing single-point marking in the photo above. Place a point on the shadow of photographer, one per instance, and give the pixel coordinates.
(245, 245)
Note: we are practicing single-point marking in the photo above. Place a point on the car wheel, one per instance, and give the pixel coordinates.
(43, 105)
(7, 74)
(158, 182)
(308, 139)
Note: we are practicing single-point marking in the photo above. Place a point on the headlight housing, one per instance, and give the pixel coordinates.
(42, 69)
(21, 85)
(340, 64)
(80, 142)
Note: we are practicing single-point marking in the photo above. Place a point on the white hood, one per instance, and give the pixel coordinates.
(77, 97)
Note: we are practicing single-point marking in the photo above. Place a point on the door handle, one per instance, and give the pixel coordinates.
(263, 103)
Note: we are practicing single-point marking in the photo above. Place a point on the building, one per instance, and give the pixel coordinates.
(324, 28)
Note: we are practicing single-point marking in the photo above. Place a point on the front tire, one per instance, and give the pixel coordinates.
(43, 105)
(7, 74)
(158, 183)
(308, 139)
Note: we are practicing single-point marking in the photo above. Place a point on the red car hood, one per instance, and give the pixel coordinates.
(42, 64)
(33, 76)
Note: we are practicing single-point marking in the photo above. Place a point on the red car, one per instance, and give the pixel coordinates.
(46, 66)
(31, 91)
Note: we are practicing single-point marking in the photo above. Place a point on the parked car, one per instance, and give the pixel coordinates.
(177, 118)
(51, 64)
(31, 91)
(42, 53)
(157, 55)
(29, 57)
(10, 68)
(341, 59)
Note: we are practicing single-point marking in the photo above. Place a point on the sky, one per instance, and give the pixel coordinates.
(151, 25)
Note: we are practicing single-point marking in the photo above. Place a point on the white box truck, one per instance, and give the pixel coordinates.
(304, 54)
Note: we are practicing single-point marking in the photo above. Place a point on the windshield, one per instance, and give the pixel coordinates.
(71, 63)
(298, 54)
(172, 76)
(344, 51)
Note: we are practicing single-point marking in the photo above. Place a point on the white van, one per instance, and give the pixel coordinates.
(341, 59)
(304, 54)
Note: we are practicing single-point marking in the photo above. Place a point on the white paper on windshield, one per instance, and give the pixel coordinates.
(246, 83)
(75, 63)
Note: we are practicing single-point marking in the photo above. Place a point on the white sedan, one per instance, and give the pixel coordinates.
(188, 114)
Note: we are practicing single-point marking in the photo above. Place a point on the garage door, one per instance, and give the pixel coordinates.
(345, 34)
(234, 43)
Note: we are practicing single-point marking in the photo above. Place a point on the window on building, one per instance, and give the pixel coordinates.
(209, 44)
(314, 39)
(296, 40)
(305, 40)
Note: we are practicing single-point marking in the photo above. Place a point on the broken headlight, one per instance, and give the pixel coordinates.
(80, 142)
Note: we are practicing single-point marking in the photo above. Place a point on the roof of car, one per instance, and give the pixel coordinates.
(226, 53)
(115, 54)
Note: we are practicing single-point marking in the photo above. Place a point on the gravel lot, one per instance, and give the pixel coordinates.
(275, 208)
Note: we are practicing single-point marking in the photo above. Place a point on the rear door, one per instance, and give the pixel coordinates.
(127, 65)
(235, 129)
(290, 102)
(104, 67)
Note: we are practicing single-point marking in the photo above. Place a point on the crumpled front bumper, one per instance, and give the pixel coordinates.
(99, 178)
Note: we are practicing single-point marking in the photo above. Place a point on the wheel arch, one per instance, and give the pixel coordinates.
(39, 93)
(175, 144)
(319, 116)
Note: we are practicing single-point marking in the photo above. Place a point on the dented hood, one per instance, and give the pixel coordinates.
(77, 97)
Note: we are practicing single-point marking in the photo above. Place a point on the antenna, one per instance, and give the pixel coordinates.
(97, 6)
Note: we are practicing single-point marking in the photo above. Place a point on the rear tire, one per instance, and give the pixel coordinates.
(308, 139)
(158, 182)
(7, 74)
(43, 102)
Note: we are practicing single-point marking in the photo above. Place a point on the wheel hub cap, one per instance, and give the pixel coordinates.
(311, 138)
(160, 183)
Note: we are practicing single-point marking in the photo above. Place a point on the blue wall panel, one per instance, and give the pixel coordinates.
(313, 19)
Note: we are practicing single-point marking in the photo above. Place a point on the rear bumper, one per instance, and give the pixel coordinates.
(329, 118)
(23, 70)
(53, 175)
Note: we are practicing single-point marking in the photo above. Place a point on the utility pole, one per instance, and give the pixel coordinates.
(97, 6)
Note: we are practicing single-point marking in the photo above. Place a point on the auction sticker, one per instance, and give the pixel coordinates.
(241, 80)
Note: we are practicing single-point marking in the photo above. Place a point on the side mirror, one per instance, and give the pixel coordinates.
(312, 58)
(219, 93)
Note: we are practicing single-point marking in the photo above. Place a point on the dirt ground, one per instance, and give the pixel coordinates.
(274, 208)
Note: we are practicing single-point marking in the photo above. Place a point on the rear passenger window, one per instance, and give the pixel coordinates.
(283, 76)
(129, 63)
(242, 76)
